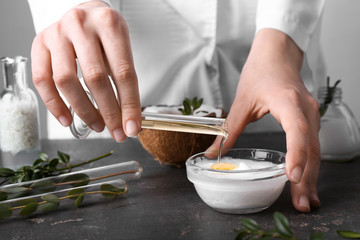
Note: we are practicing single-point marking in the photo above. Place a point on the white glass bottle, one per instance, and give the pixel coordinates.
(339, 132)
(19, 111)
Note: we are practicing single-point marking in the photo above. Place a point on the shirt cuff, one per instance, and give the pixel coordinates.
(46, 12)
(296, 18)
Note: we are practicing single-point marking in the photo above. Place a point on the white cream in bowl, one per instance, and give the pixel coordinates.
(252, 186)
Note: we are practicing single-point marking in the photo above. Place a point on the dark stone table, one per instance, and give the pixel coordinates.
(163, 204)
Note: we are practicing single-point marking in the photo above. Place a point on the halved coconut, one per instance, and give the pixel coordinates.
(174, 148)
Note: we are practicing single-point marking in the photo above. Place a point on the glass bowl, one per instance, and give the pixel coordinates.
(253, 186)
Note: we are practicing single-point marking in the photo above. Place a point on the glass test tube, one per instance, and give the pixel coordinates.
(169, 122)
(93, 188)
(125, 171)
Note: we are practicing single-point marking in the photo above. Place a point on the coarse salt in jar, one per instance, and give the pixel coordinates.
(19, 112)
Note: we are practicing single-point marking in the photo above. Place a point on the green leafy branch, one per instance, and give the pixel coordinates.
(43, 167)
(251, 230)
(51, 202)
(329, 96)
(49, 185)
(189, 106)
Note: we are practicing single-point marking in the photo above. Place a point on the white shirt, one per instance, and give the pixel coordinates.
(188, 48)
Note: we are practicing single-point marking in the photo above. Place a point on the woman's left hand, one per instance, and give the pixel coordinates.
(270, 83)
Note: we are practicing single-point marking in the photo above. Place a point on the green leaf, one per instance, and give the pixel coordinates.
(6, 172)
(5, 211)
(20, 177)
(110, 188)
(348, 234)
(37, 162)
(15, 189)
(75, 193)
(77, 180)
(43, 156)
(82, 183)
(187, 108)
(23, 168)
(282, 224)
(43, 186)
(13, 179)
(48, 207)
(29, 209)
(317, 236)
(188, 101)
(17, 195)
(250, 224)
(51, 198)
(53, 163)
(241, 235)
(79, 199)
(28, 175)
(64, 158)
(25, 202)
(3, 196)
(190, 105)
(198, 104)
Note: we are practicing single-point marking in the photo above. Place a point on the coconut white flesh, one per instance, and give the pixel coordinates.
(200, 112)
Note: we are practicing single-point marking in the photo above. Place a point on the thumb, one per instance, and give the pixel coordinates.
(236, 123)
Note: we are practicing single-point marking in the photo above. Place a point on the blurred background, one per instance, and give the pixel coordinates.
(340, 43)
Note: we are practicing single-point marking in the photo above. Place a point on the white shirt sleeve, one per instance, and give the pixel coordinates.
(297, 18)
(46, 12)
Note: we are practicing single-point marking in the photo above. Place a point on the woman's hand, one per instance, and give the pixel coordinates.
(270, 83)
(97, 36)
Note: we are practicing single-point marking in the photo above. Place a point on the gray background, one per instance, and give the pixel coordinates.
(340, 41)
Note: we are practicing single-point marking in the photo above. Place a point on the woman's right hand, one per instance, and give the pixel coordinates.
(97, 36)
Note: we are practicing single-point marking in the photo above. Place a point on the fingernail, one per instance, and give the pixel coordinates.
(304, 202)
(119, 135)
(315, 201)
(131, 128)
(64, 121)
(296, 174)
(98, 126)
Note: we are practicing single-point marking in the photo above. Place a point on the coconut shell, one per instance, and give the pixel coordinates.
(174, 148)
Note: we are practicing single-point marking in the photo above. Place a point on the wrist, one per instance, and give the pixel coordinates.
(276, 46)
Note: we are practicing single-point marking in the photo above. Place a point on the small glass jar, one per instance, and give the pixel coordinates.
(19, 111)
(339, 132)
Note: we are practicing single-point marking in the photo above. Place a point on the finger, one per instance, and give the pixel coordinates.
(305, 194)
(297, 132)
(119, 56)
(95, 77)
(65, 78)
(89, 52)
(43, 81)
(236, 123)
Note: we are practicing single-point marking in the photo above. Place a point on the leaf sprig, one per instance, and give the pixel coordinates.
(329, 96)
(251, 230)
(189, 106)
(51, 202)
(43, 167)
